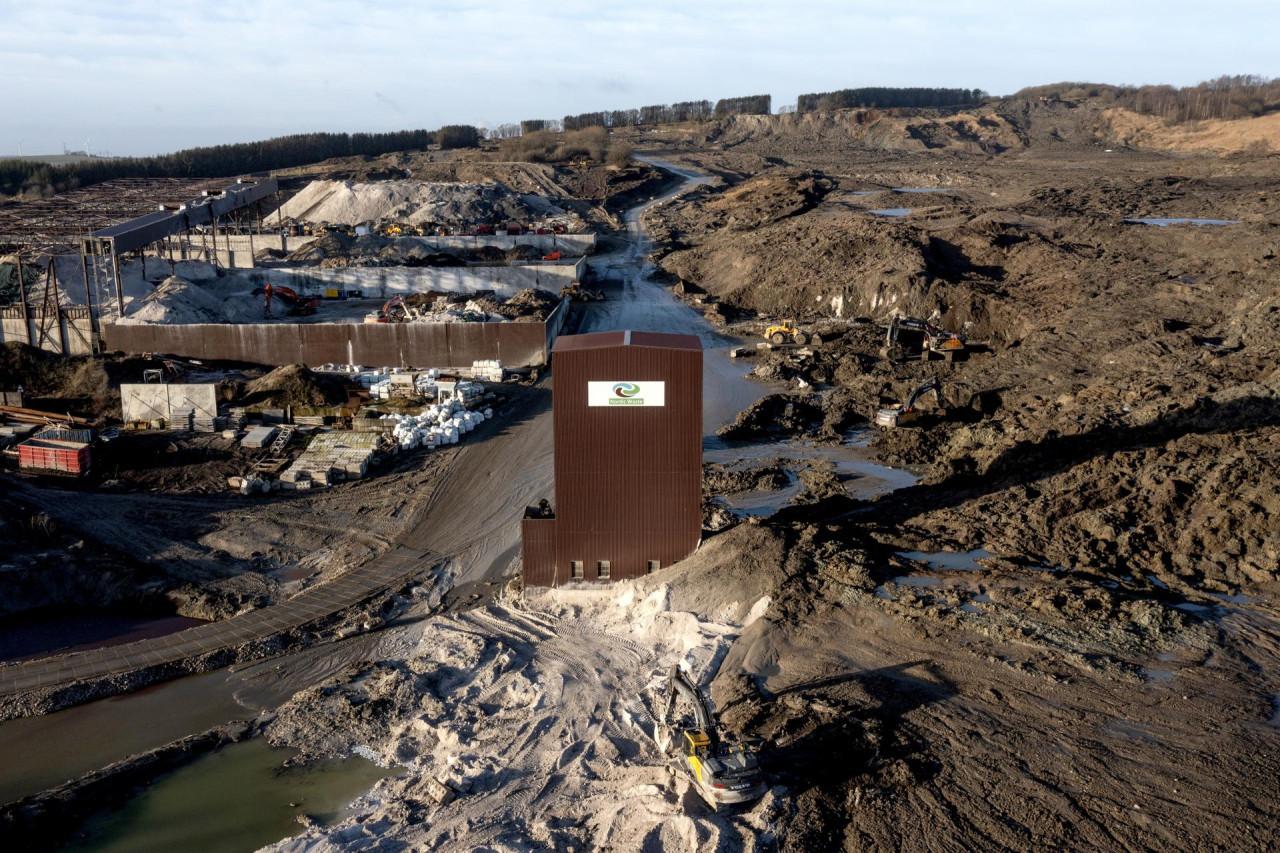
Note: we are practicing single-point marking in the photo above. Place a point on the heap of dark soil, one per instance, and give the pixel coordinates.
(295, 385)
(770, 415)
(532, 302)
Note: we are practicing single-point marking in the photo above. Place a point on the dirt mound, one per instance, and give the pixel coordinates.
(1253, 135)
(719, 480)
(178, 300)
(775, 413)
(530, 302)
(413, 202)
(295, 385)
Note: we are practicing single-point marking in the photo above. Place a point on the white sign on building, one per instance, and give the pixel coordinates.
(626, 394)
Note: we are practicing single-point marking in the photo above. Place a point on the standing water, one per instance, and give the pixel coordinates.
(190, 809)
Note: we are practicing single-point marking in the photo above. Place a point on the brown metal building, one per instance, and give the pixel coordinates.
(627, 412)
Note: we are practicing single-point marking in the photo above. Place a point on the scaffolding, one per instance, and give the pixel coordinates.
(103, 222)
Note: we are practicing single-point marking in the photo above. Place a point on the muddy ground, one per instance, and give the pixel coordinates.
(1103, 677)
(1117, 424)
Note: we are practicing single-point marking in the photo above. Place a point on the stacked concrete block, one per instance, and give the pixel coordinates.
(259, 437)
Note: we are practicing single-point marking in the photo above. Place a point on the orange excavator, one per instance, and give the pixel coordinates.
(298, 305)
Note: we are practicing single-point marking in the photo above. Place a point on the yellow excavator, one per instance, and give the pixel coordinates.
(577, 293)
(723, 772)
(902, 414)
(780, 333)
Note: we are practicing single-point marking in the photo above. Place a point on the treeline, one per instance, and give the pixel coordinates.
(657, 114)
(29, 177)
(1226, 97)
(883, 97)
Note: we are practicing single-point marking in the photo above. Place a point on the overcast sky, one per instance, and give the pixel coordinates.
(146, 77)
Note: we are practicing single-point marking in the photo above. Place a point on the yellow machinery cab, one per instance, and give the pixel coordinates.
(696, 744)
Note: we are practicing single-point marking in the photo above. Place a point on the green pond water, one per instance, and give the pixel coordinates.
(233, 800)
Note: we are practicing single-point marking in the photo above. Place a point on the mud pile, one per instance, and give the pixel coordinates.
(295, 385)
(1112, 371)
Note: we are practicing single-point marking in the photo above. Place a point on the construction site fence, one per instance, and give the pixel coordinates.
(65, 330)
(444, 345)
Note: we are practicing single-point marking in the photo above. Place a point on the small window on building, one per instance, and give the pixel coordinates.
(575, 569)
(602, 569)
(654, 565)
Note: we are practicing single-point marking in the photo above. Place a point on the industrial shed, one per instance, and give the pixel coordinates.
(627, 414)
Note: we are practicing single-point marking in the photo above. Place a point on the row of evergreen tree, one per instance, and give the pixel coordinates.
(32, 177)
(884, 97)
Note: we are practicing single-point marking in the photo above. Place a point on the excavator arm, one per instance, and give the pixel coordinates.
(929, 385)
(681, 686)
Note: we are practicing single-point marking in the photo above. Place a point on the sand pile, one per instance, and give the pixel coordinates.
(413, 202)
(295, 385)
(178, 300)
(541, 714)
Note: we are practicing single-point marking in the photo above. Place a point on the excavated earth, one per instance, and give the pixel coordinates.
(1096, 668)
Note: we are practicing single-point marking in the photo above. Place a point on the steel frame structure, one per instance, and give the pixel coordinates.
(106, 220)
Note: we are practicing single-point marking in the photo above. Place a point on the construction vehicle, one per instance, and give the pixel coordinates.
(723, 772)
(298, 305)
(902, 414)
(935, 340)
(577, 293)
(394, 310)
(780, 333)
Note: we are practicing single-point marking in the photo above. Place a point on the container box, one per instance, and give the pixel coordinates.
(51, 454)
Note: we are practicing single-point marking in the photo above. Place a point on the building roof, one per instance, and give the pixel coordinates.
(603, 340)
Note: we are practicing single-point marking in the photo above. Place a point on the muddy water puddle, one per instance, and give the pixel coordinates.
(852, 461)
(38, 753)
(1162, 221)
(233, 800)
(891, 211)
(953, 561)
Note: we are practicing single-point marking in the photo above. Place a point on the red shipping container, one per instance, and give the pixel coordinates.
(45, 454)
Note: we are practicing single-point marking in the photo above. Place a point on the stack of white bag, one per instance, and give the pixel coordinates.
(436, 426)
(425, 381)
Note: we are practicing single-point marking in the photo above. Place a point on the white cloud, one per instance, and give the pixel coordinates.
(216, 72)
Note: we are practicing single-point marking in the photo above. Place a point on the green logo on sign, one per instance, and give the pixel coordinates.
(625, 395)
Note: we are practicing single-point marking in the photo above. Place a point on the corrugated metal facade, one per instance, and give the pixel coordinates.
(313, 344)
(628, 479)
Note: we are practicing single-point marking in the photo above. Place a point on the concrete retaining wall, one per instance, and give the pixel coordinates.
(573, 245)
(70, 332)
(172, 402)
(384, 282)
(235, 251)
(444, 345)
